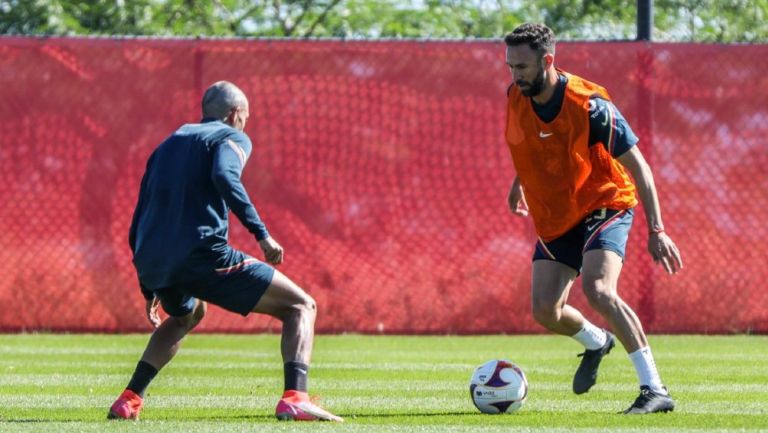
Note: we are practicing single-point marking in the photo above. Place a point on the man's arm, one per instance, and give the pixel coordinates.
(660, 245)
(146, 293)
(516, 199)
(608, 127)
(228, 162)
(139, 206)
(151, 309)
(134, 226)
(229, 158)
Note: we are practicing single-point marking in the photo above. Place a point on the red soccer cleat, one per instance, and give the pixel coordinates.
(296, 406)
(127, 406)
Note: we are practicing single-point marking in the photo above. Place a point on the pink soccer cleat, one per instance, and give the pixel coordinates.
(127, 406)
(296, 406)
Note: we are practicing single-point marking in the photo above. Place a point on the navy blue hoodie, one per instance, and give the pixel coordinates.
(191, 182)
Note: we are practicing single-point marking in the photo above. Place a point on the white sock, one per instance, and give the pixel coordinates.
(645, 366)
(590, 336)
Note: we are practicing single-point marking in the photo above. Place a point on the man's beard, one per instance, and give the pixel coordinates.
(535, 87)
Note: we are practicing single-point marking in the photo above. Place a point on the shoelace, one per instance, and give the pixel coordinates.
(643, 397)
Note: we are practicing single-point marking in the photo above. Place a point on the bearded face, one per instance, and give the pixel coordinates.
(528, 69)
(533, 87)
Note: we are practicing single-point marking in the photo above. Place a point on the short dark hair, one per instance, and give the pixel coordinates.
(538, 36)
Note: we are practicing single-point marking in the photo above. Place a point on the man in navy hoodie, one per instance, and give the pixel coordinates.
(179, 241)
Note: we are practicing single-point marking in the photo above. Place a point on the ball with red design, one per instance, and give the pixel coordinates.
(498, 386)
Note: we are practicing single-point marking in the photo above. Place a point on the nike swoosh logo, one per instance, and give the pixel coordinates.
(592, 227)
(543, 135)
(301, 370)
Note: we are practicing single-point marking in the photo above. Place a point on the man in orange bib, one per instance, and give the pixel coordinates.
(574, 153)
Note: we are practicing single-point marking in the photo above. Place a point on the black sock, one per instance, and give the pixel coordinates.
(296, 375)
(143, 374)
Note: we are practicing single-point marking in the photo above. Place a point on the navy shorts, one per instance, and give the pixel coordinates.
(238, 286)
(603, 229)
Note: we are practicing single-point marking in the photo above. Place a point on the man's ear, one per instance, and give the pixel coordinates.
(549, 60)
(230, 119)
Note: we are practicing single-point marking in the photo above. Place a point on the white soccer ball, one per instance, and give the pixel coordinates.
(498, 386)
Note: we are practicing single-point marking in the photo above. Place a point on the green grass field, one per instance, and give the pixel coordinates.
(226, 383)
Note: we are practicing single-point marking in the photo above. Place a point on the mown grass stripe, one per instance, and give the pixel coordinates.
(373, 404)
(379, 385)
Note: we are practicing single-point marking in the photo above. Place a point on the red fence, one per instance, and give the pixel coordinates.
(382, 169)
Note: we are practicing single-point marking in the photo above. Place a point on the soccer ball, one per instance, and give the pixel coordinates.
(498, 386)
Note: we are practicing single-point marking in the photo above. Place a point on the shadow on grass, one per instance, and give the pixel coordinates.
(239, 417)
(362, 416)
(36, 420)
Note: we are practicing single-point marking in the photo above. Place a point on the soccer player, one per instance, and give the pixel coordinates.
(179, 241)
(573, 153)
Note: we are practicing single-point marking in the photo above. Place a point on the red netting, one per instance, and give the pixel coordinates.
(382, 169)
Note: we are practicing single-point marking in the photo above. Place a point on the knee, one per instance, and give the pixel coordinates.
(192, 319)
(546, 313)
(308, 306)
(199, 312)
(600, 295)
(305, 308)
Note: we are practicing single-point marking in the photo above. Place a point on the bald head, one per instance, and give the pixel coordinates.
(226, 102)
(221, 98)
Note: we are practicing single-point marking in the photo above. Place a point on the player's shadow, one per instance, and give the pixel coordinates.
(355, 416)
(35, 421)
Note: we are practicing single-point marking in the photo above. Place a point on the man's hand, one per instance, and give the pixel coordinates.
(664, 251)
(516, 199)
(273, 252)
(152, 315)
